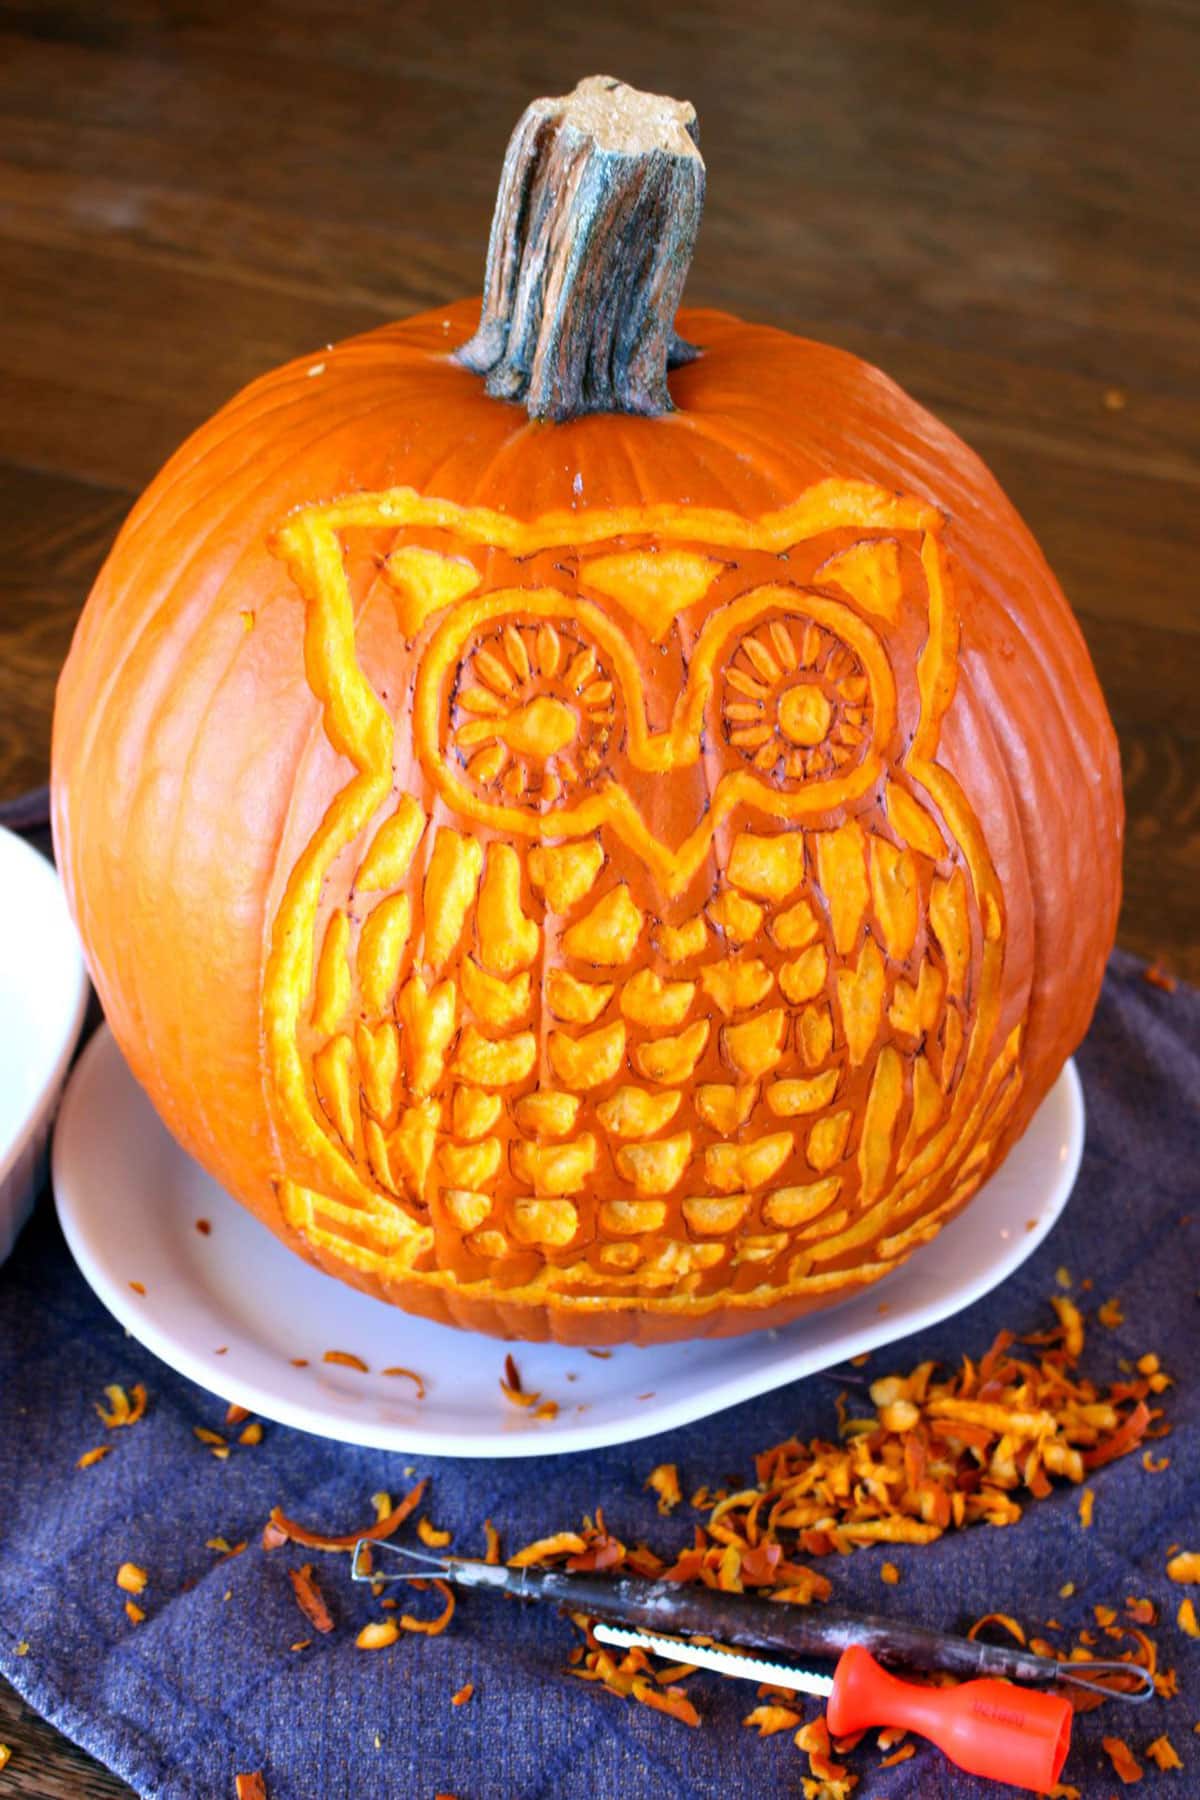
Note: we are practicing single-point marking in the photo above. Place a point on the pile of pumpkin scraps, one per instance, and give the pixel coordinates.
(936, 1451)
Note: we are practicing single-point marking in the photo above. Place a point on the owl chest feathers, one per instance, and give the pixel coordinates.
(530, 1054)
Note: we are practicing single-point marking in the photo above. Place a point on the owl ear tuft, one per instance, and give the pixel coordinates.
(870, 573)
(425, 582)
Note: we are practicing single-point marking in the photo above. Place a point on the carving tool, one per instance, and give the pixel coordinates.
(987, 1725)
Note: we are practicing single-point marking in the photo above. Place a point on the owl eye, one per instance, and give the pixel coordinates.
(796, 701)
(532, 712)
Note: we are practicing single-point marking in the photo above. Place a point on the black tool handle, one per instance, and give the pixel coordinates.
(678, 1609)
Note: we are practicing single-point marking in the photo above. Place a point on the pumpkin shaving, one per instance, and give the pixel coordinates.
(432, 1627)
(409, 1375)
(514, 1390)
(121, 1409)
(309, 1598)
(280, 1528)
(1122, 1760)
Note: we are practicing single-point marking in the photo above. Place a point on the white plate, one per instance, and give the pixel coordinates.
(128, 1198)
(43, 997)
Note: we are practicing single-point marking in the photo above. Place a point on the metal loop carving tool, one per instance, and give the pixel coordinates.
(679, 1609)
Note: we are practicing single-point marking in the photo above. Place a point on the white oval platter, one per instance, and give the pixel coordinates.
(235, 1311)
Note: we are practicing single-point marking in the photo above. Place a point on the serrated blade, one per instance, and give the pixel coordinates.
(722, 1662)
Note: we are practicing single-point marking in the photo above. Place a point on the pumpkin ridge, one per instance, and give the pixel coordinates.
(184, 817)
(982, 721)
(144, 511)
(732, 434)
(166, 697)
(1043, 1006)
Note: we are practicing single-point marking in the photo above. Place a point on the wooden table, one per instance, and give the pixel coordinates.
(996, 204)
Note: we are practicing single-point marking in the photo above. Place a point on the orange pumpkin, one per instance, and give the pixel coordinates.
(625, 877)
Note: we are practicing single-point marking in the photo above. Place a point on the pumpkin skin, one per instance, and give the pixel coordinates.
(353, 604)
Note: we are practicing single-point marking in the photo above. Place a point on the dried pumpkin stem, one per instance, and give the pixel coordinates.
(595, 223)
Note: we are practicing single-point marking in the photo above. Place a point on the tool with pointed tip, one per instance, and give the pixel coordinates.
(683, 1609)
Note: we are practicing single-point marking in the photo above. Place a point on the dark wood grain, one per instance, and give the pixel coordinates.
(993, 203)
(46, 1765)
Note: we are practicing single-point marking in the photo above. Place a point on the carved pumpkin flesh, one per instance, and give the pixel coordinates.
(632, 876)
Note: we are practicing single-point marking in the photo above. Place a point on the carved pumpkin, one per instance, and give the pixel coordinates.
(597, 876)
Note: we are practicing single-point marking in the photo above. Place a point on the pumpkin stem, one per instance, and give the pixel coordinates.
(595, 223)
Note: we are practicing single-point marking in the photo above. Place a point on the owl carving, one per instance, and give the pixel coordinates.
(648, 959)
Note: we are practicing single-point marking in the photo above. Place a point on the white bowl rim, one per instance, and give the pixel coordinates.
(11, 843)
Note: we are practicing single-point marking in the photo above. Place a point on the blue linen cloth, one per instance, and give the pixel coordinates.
(208, 1685)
